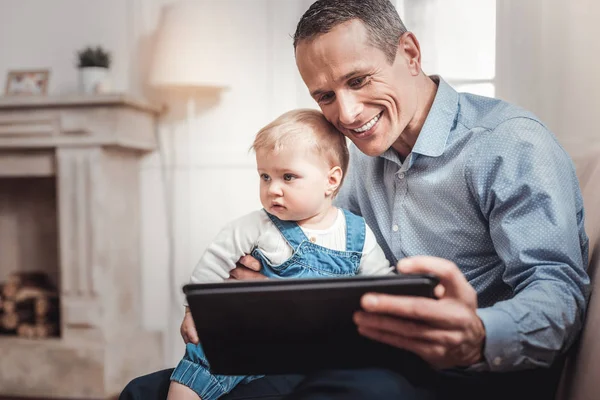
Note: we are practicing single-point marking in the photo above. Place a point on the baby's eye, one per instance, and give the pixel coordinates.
(265, 177)
(288, 177)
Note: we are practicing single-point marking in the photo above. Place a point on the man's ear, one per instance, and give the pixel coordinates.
(410, 49)
(334, 180)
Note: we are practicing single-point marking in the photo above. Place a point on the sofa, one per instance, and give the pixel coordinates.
(581, 376)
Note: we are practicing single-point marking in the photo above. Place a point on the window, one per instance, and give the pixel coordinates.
(458, 40)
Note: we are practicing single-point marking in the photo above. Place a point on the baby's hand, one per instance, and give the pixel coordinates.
(188, 329)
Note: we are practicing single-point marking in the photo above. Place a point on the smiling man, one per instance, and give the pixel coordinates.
(471, 189)
(376, 99)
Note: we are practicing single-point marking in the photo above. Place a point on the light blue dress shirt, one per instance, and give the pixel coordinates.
(488, 187)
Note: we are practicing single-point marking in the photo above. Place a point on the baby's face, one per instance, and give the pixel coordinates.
(293, 183)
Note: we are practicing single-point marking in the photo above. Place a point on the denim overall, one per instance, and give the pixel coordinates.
(309, 260)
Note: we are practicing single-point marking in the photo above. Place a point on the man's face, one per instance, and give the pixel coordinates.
(368, 99)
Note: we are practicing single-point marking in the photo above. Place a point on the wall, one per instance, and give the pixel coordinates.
(548, 58)
(46, 34)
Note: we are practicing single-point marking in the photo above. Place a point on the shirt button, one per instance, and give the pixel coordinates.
(497, 361)
(401, 175)
(395, 228)
(313, 239)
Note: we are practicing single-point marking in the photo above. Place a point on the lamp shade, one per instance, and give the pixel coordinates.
(192, 46)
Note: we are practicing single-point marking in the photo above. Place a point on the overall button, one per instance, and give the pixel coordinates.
(401, 175)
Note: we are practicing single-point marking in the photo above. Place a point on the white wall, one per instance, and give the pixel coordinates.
(548, 61)
(38, 34)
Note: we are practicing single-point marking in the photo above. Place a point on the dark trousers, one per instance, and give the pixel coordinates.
(420, 383)
(155, 386)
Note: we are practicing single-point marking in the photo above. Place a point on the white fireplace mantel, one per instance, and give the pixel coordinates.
(86, 150)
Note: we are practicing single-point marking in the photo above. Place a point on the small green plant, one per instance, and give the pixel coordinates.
(93, 57)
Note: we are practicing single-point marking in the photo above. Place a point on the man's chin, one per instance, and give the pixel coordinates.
(370, 150)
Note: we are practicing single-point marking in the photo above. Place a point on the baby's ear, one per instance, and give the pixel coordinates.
(334, 180)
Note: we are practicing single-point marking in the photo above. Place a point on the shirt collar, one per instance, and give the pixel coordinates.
(437, 127)
(439, 122)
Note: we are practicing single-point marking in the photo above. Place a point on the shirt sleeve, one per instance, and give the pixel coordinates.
(373, 261)
(234, 241)
(527, 189)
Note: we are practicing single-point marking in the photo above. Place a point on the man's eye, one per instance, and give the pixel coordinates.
(265, 177)
(326, 98)
(358, 82)
(288, 177)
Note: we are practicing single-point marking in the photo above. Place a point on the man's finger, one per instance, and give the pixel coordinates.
(193, 336)
(432, 354)
(245, 274)
(454, 282)
(407, 329)
(250, 262)
(446, 314)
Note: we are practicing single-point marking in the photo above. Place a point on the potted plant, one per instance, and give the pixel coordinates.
(93, 64)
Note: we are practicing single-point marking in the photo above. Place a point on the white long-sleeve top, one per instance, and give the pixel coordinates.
(256, 230)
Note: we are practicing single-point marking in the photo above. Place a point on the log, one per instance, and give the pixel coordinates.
(27, 331)
(9, 290)
(46, 307)
(9, 306)
(10, 321)
(45, 330)
(31, 292)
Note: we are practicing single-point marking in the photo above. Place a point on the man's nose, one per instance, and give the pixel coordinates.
(349, 108)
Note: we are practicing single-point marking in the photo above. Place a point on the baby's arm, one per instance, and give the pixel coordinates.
(373, 261)
(235, 240)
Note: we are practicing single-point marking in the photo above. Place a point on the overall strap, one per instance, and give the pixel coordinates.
(355, 231)
(289, 230)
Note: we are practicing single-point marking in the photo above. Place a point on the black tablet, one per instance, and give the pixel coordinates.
(282, 326)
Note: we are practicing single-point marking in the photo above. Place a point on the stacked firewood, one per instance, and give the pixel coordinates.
(29, 305)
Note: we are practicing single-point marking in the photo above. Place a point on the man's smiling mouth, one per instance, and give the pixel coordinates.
(368, 125)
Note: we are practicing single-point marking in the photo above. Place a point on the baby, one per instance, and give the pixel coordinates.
(301, 161)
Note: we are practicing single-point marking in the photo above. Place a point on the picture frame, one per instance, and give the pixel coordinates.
(27, 82)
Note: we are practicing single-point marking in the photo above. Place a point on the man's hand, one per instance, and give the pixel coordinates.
(247, 268)
(445, 332)
(188, 329)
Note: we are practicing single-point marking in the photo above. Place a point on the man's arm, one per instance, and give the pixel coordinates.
(246, 269)
(527, 189)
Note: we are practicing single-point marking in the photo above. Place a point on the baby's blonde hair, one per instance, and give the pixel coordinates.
(309, 127)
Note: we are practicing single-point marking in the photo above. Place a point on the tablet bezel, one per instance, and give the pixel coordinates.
(284, 341)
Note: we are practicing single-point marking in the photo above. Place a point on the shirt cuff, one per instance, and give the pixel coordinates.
(502, 346)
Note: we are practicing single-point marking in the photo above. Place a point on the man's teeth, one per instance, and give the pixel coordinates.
(368, 125)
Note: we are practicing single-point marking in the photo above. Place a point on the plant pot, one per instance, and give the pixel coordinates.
(93, 80)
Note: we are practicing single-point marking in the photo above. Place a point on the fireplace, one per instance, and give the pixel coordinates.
(69, 210)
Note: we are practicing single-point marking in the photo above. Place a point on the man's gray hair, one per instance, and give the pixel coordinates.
(379, 17)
